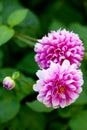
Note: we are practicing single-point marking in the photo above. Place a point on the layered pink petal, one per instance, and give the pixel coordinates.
(58, 46)
(61, 85)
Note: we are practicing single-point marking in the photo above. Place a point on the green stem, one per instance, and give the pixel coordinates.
(27, 83)
(30, 43)
(28, 37)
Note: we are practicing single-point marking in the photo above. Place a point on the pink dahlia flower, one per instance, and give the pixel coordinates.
(59, 85)
(57, 47)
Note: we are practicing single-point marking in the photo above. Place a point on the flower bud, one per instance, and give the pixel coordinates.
(8, 83)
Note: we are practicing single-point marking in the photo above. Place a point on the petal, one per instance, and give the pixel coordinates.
(40, 98)
(55, 102)
(68, 76)
(54, 66)
(47, 103)
(38, 47)
(79, 90)
(39, 85)
(47, 98)
(72, 95)
(65, 65)
(62, 103)
(62, 95)
(40, 74)
(35, 87)
(69, 82)
(72, 87)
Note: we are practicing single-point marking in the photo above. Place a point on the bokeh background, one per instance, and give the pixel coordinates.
(19, 109)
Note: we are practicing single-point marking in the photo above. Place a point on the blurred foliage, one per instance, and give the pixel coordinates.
(21, 23)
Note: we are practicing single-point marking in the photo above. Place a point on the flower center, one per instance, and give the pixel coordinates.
(58, 91)
(61, 89)
(58, 88)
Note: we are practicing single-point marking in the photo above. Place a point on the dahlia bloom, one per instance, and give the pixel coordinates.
(57, 47)
(59, 85)
(8, 83)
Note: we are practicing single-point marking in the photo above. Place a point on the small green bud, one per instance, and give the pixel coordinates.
(15, 75)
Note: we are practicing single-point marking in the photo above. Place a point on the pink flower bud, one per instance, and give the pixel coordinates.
(8, 83)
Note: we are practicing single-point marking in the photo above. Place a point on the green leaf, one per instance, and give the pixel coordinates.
(55, 25)
(82, 99)
(63, 11)
(30, 21)
(9, 107)
(8, 6)
(84, 70)
(69, 111)
(5, 34)
(27, 120)
(17, 17)
(28, 64)
(66, 112)
(81, 31)
(79, 121)
(35, 121)
(57, 125)
(39, 107)
(24, 87)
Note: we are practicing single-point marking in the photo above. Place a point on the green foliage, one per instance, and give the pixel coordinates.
(32, 120)
(30, 21)
(81, 31)
(23, 83)
(38, 107)
(57, 125)
(82, 99)
(28, 64)
(78, 119)
(70, 111)
(21, 24)
(8, 6)
(5, 34)
(17, 17)
(9, 107)
(6, 72)
(55, 25)
(27, 119)
(23, 87)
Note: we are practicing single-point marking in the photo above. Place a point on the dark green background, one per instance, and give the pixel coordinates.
(19, 109)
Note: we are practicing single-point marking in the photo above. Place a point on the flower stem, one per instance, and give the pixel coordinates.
(28, 37)
(27, 41)
(27, 83)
